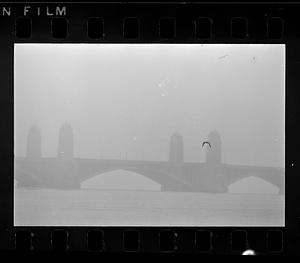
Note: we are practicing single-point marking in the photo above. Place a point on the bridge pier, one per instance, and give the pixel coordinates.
(203, 189)
(66, 174)
(164, 188)
(59, 173)
(210, 180)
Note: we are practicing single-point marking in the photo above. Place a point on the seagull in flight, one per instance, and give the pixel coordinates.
(223, 56)
(206, 143)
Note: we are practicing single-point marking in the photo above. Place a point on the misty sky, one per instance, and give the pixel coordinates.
(130, 98)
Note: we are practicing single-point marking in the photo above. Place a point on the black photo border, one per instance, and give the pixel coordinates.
(185, 13)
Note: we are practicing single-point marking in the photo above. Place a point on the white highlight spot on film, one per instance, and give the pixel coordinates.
(249, 252)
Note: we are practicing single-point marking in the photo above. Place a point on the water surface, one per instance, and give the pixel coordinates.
(97, 207)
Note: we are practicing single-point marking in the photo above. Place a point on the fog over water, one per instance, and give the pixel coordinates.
(125, 208)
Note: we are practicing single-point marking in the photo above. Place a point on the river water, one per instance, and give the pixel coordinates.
(96, 207)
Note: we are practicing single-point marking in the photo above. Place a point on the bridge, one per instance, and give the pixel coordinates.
(67, 172)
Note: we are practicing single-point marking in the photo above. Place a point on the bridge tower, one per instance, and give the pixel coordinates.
(65, 141)
(214, 153)
(176, 148)
(34, 142)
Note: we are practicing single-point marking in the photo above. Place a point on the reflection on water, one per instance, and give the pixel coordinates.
(120, 207)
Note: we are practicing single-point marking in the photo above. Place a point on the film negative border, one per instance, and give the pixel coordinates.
(133, 23)
(151, 239)
(151, 23)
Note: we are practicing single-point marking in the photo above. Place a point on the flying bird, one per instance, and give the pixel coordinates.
(223, 56)
(206, 143)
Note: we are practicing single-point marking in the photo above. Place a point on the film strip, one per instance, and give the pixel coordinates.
(150, 23)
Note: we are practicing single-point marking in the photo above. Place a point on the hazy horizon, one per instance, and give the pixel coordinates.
(128, 99)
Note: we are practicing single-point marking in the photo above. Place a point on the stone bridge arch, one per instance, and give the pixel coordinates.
(167, 180)
(120, 179)
(273, 179)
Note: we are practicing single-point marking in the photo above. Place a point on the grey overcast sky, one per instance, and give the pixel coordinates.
(131, 98)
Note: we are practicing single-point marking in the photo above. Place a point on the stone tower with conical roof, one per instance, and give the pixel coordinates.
(65, 141)
(176, 148)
